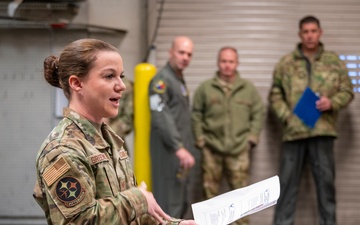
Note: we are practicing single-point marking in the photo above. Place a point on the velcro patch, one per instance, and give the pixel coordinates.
(98, 158)
(59, 168)
(70, 191)
(123, 154)
(156, 103)
(184, 90)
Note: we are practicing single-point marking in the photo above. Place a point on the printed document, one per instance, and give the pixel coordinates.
(233, 205)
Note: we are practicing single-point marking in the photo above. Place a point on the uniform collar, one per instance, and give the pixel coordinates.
(90, 132)
(238, 82)
(173, 72)
(299, 54)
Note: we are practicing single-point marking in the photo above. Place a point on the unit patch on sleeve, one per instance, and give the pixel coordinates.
(59, 168)
(159, 87)
(70, 191)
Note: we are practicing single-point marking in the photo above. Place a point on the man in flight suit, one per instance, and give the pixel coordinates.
(171, 141)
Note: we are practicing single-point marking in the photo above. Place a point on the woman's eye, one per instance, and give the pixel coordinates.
(109, 76)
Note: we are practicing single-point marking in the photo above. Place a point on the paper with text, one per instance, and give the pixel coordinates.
(233, 205)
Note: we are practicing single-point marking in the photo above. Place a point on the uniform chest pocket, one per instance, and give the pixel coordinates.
(295, 80)
(326, 79)
(214, 107)
(213, 101)
(243, 102)
(127, 179)
(105, 176)
(331, 83)
(242, 108)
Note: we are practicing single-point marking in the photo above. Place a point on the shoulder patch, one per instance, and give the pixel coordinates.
(159, 86)
(69, 191)
(156, 103)
(59, 168)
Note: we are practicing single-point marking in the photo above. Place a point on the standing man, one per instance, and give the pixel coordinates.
(322, 71)
(171, 141)
(227, 119)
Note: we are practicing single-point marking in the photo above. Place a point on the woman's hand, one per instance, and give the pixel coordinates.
(188, 222)
(155, 210)
(153, 207)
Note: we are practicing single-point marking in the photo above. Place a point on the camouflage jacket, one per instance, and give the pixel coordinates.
(326, 76)
(84, 177)
(223, 122)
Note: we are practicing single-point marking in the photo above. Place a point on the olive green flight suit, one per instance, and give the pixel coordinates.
(170, 130)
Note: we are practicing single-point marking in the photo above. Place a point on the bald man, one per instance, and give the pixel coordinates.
(171, 141)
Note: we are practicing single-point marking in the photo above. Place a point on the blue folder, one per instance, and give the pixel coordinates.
(306, 109)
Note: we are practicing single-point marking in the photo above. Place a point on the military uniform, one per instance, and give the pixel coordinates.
(326, 75)
(227, 119)
(84, 176)
(122, 124)
(170, 131)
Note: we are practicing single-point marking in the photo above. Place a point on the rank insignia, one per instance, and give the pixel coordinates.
(70, 191)
(123, 154)
(160, 87)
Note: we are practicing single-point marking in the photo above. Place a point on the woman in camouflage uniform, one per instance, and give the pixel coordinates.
(84, 175)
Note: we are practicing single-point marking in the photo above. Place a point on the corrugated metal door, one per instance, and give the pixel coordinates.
(263, 31)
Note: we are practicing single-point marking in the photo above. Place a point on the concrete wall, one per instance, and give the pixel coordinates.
(27, 102)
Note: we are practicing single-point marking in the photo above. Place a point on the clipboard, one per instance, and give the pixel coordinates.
(306, 109)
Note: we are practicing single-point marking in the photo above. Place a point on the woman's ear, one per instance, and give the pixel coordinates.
(75, 83)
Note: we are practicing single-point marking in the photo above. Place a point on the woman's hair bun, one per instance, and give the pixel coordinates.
(51, 71)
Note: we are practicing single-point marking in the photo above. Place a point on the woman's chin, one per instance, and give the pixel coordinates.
(112, 114)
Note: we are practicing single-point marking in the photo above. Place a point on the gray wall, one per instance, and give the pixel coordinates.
(27, 102)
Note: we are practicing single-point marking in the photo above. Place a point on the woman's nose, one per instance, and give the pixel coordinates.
(120, 86)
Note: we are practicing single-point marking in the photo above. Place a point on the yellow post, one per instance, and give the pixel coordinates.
(143, 74)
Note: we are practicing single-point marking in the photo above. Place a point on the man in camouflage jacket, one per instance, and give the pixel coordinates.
(326, 75)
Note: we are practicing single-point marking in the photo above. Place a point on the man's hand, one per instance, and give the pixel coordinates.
(323, 104)
(186, 158)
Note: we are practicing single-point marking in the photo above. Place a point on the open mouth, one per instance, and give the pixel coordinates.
(114, 100)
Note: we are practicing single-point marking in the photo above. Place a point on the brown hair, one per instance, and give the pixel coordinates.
(77, 59)
(309, 19)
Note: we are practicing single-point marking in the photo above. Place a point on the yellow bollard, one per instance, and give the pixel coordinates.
(144, 72)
